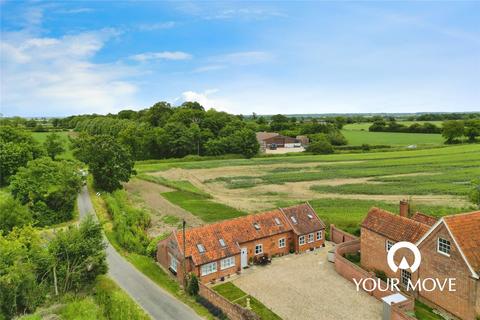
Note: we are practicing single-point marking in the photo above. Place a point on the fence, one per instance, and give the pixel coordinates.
(232, 310)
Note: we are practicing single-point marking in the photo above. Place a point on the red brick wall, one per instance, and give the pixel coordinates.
(232, 310)
(270, 245)
(339, 236)
(435, 265)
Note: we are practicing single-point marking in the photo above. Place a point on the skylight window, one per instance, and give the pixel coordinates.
(200, 248)
(309, 216)
(257, 226)
(277, 221)
(294, 220)
(222, 243)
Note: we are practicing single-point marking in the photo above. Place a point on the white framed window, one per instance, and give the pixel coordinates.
(310, 237)
(173, 263)
(259, 249)
(319, 235)
(443, 246)
(389, 244)
(405, 277)
(301, 240)
(227, 263)
(208, 268)
(281, 243)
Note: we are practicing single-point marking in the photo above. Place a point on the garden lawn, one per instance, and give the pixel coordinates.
(201, 206)
(424, 312)
(235, 294)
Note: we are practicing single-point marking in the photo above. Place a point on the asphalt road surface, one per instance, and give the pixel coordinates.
(158, 303)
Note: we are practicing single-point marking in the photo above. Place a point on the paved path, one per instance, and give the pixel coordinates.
(158, 303)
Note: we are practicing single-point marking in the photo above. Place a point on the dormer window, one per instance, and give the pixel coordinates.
(222, 242)
(277, 221)
(294, 220)
(256, 226)
(200, 248)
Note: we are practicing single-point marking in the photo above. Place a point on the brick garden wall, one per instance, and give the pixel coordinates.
(339, 236)
(232, 310)
(351, 271)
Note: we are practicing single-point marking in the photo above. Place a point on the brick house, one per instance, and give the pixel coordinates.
(216, 250)
(266, 139)
(450, 248)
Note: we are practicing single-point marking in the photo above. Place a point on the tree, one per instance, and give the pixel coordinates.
(192, 285)
(17, 147)
(472, 129)
(79, 256)
(54, 145)
(109, 161)
(321, 146)
(13, 214)
(48, 188)
(452, 129)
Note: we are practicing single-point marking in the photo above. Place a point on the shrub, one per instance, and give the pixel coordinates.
(192, 285)
(381, 275)
(215, 311)
(353, 257)
(320, 147)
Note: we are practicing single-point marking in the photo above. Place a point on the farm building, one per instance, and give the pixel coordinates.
(269, 139)
(220, 249)
(449, 247)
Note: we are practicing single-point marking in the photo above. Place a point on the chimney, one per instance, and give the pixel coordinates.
(404, 208)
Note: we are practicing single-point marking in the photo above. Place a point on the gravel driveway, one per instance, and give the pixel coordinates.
(306, 286)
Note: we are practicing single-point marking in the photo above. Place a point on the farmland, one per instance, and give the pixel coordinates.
(341, 187)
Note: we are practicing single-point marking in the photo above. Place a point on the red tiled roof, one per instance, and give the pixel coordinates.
(232, 231)
(306, 219)
(393, 226)
(265, 135)
(424, 218)
(465, 228)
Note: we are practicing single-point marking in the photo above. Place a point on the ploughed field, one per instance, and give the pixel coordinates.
(341, 187)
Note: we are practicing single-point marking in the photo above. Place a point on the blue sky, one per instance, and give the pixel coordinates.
(63, 58)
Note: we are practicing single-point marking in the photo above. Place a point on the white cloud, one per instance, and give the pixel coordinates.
(75, 11)
(55, 76)
(156, 26)
(208, 68)
(205, 99)
(164, 55)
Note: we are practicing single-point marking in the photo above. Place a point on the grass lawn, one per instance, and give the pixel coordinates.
(366, 125)
(235, 294)
(356, 138)
(205, 209)
(424, 312)
(42, 136)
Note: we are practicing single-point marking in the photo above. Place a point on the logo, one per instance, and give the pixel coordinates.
(404, 264)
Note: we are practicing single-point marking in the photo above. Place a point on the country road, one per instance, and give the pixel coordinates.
(158, 303)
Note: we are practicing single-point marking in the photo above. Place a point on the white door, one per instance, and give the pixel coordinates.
(244, 257)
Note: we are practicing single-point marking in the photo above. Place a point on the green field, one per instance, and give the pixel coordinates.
(366, 125)
(42, 136)
(341, 187)
(357, 137)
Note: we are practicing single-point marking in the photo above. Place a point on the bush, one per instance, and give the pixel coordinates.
(116, 304)
(192, 285)
(129, 223)
(381, 275)
(215, 311)
(320, 147)
(353, 257)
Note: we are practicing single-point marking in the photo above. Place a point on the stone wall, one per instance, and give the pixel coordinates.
(232, 310)
(339, 236)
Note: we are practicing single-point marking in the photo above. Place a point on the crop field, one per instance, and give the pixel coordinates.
(341, 187)
(365, 125)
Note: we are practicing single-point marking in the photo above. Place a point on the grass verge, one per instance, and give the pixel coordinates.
(237, 295)
(424, 312)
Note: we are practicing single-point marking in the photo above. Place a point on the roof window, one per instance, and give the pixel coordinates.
(277, 221)
(256, 226)
(222, 242)
(294, 220)
(309, 216)
(200, 248)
